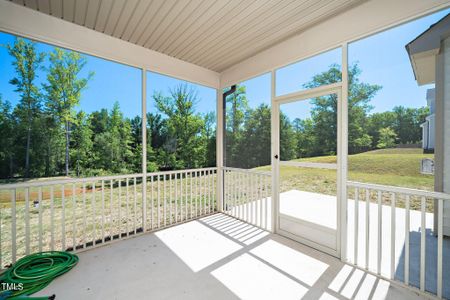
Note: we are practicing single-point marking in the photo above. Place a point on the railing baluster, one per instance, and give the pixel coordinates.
(40, 217)
(74, 211)
(27, 221)
(422, 243)
(236, 194)
(241, 202)
(254, 196)
(94, 217)
(230, 192)
(170, 199)
(119, 204)
(103, 211)
(111, 197)
(159, 201)
(181, 197)
(266, 202)
(84, 215)
(13, 226)
(367, 227)
(225, 191)
(260, 200)
(205, 193)
(176, 197)
(152, 204)
(52, 219)
(440, 246)
(164, 199)
(200, 193)
(186, 217)
(135, 205)
(127, 216)
(210, 190)
(249, 199)
(356, 208)
(380, 228)
(191, 203)
(393, 236)
(63, 218)
(196, 194)
(407, 240)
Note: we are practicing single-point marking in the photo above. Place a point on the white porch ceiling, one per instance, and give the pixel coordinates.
(214, 34)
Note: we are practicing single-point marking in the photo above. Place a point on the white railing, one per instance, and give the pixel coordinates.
(75, 214)
(406, 247)
(247, 196)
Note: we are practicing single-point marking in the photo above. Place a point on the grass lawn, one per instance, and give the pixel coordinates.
(396, 167)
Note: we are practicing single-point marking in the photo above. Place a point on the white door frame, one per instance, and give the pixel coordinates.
(341, 207)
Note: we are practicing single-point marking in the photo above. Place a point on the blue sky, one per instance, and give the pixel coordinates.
(382, 58)
(111, 82)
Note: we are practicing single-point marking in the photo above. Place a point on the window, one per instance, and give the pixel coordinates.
(391, 114)
(247, 132)
(78, 116)
(322, 69)
(181, 124)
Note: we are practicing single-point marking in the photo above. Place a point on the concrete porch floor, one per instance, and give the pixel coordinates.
(217, 257)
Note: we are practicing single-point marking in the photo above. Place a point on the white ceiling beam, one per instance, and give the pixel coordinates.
(32, 24)
(368, 18)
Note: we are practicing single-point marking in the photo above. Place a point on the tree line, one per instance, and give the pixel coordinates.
(248, 129)
(46, 134)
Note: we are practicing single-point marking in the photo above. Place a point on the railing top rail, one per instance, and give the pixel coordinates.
(247, 171)
(400, 190)
(10, 186)
(181, 171)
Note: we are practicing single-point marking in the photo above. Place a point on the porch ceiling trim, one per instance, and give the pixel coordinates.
(32, 24)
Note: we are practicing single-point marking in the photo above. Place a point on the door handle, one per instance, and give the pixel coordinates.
(276, 156)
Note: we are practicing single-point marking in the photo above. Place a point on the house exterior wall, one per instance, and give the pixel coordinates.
(431, 131)
(442, 141)
(446, 133)
(424, 134)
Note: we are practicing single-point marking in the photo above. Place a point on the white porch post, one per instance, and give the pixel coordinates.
(219, 149)
(275, 152)
(144, 149)
(342, 159)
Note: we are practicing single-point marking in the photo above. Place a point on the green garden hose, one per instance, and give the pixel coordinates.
(33, 273)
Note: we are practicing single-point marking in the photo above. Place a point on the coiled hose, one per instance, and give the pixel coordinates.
(34, 272)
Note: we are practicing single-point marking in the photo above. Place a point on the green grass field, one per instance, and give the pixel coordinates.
(397, 167)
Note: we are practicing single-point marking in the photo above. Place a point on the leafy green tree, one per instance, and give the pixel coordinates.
(387, 138)
(209, 134)
(254, 150)
(288, 141)
(156, 130)
(376, 121)
(82, 145)
(324, 111)
(27, 60)
(407, 123)
(7, 138)
(63, 87)
(236, 108)
(305, 137)
(184, 144)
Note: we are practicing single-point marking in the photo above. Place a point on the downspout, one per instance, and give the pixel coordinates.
(224, 106)
(224, 144)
